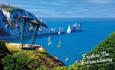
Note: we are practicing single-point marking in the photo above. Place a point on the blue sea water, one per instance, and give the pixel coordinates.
(75, 44)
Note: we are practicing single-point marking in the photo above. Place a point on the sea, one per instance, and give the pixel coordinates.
(72, 46)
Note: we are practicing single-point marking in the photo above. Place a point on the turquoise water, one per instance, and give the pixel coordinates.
(75, 44)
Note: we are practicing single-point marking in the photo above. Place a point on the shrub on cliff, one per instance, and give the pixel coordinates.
(17, 61)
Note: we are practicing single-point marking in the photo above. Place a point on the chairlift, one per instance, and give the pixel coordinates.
(36, 24)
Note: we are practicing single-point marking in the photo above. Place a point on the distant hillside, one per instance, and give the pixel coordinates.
(100, 58)
(12, 57)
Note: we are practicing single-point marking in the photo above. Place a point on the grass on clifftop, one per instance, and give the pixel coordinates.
(27, 59)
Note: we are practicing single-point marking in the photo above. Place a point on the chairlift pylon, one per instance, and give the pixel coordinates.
(35, 23)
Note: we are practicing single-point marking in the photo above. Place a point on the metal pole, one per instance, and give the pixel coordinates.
(34, 36)
(22, 33)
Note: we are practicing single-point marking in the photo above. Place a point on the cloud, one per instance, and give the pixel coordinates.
(66, 8)
(101, 1)
(1, 1)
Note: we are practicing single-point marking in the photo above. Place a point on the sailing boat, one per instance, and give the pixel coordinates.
(53, 29)
(79, 27)
(59, 32)
(37, 25)
(59, 43)
(49, 41)
(69, 29)
(66, 60)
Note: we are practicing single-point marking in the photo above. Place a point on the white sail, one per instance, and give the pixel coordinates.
(49, 41)
(69, 29)
(59, 43)
(59, 33)
(66, 59)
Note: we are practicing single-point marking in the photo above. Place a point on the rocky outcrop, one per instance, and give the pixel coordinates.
(13, 20)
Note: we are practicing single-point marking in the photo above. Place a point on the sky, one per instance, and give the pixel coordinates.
(66, 8)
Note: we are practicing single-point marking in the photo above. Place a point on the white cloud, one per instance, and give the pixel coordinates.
(100, 1)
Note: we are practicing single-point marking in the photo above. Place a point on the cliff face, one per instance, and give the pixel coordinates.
(33, 59)
(11, 20)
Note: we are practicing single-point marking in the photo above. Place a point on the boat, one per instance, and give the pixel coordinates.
(53, 29)
(49, 41)
(67, 59)
(76, 61)
(69, 29)
(61, 31)
(59, 43)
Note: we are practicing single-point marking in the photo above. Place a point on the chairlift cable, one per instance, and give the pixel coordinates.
(22, 33)
(34, 36)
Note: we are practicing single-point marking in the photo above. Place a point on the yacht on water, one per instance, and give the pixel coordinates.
(67, 59)
(59, 43)
(53, 29)
(61, 31)
(49, 41)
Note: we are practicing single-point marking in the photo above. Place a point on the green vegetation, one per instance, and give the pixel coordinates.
(26, 59)
(105, 52)
(30, 60)
(16, 61)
